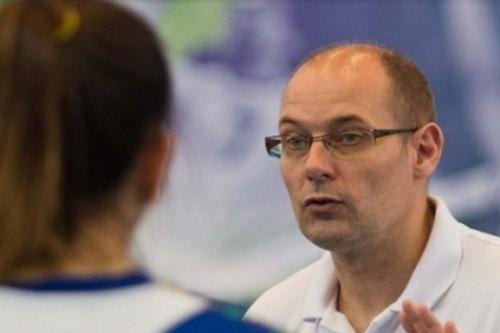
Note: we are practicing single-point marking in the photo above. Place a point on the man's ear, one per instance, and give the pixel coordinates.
(428, 144)
(154, 163)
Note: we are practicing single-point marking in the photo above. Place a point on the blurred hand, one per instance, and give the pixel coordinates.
(418, 318)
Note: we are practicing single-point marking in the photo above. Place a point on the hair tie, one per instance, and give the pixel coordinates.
(70, 23)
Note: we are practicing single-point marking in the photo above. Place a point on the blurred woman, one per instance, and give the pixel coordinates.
(85, 140)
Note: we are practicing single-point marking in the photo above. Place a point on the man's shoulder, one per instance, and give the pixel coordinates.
(473, 299)
(477, 242)
(283, 302)
(481, 253)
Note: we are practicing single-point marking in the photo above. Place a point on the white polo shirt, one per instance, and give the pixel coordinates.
(458, 276)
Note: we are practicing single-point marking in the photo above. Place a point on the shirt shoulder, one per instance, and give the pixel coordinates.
(473, 300)
(481, 252)
(479, 237)
(146, 307)
(210, 321)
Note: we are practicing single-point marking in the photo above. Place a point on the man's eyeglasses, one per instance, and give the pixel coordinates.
(341, 143)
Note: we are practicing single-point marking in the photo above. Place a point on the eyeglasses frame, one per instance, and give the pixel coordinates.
(376, 133)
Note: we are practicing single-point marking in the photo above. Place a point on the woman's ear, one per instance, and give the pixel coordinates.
(153, 164)
(428, 144)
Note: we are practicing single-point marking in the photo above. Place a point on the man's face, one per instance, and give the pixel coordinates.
(343, 203)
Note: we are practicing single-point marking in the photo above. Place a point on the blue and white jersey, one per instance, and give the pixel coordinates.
(124, 303)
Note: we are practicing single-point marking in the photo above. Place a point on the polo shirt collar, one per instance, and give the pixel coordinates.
(434, 274)
(322, 288)
(438, 266)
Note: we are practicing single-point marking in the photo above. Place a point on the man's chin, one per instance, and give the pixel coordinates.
(330, 241)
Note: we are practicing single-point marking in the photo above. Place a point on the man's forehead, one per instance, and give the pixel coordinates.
(347, 84)
(336, 70)
(342, 62)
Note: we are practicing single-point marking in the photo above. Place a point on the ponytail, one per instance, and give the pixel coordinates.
(30, 142)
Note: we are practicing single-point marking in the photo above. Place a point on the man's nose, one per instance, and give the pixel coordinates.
(320, 163)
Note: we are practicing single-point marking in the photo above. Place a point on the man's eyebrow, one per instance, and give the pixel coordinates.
(335, 122)
(288, 120)
(346, 120)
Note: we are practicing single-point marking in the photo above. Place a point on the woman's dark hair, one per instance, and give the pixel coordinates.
(82, 83)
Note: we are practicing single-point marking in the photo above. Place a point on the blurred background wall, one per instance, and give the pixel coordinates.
(224, 226)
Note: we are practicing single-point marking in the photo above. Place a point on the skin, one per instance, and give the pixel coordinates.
(418, 318)
(378, 199)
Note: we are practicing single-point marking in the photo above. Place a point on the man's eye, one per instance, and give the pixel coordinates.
(297, 142)
(350, 138)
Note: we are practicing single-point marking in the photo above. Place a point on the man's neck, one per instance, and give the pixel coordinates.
(373, 278)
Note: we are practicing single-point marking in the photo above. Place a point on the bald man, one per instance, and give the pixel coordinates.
(358, 142)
